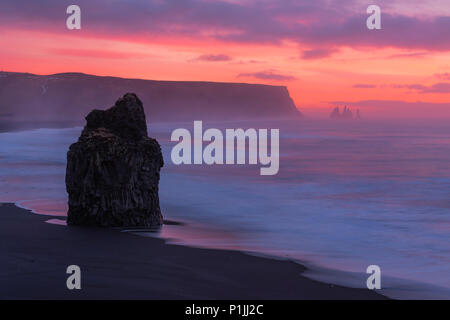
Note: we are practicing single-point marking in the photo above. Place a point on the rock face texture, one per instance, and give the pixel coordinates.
(113, 170)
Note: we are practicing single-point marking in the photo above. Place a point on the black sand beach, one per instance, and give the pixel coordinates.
(34, 256)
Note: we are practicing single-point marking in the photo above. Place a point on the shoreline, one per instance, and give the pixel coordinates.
(118, 265)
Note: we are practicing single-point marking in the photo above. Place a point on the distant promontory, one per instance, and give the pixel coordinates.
(67, 97)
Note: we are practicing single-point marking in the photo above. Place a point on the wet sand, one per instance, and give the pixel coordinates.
(34, 256)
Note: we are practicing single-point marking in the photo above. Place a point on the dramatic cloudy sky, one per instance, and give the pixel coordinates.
(321, 50)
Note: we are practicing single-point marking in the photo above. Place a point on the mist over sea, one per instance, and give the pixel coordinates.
(348, 194)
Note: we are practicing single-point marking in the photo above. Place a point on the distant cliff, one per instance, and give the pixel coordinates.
(67, 97)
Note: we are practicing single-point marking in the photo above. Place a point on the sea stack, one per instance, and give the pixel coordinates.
(113, 169)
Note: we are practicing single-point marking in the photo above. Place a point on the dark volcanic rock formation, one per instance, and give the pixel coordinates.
(113, 170)
(346, 113)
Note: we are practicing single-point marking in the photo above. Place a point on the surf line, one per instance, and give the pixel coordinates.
(234, 148)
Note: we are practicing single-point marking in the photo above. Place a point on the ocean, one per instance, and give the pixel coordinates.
(349, 194)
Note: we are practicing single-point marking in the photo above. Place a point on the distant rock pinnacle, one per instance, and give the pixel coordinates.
(346, 114)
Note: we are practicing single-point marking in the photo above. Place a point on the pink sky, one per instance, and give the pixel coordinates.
(321, 50)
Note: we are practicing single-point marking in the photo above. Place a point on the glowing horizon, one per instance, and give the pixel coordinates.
(322, 51)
